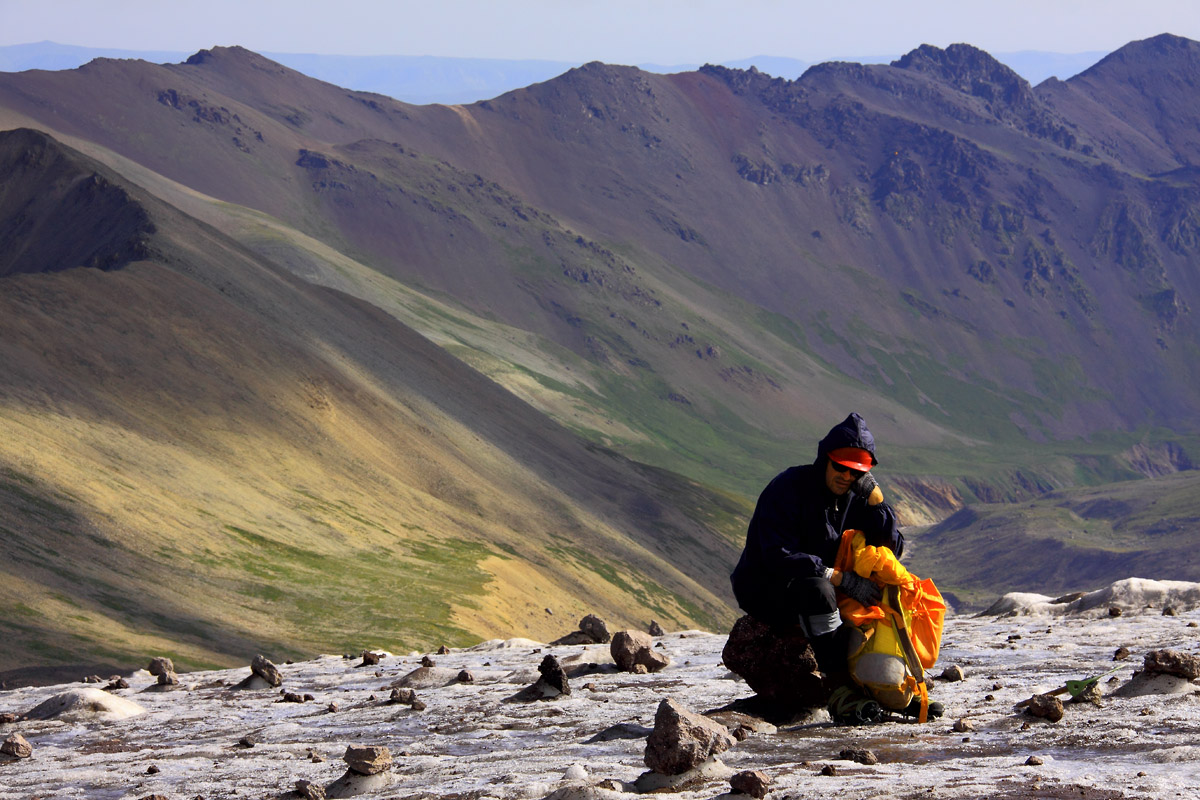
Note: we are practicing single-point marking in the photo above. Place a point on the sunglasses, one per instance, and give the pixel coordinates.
(857, 473)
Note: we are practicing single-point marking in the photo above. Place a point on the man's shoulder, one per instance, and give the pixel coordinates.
(799, 475)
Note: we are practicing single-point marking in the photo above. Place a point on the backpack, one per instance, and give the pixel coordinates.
(893, 643)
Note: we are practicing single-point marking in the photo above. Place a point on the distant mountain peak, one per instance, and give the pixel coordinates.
(1165, 51)
(967, 68)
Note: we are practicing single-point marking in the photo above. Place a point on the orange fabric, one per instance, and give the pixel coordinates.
(920, 598)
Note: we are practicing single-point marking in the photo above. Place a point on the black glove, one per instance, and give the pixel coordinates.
(866, 487)
(864, 590)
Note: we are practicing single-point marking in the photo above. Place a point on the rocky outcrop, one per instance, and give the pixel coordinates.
(683, 740)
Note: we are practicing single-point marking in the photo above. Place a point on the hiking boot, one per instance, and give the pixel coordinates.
(848, 707)
(914, 709)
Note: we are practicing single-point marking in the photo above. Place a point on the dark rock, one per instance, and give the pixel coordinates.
(16, 746)
(402, 695)
(573, 638)
(426, 661)
(367, 760)
(1172, 662)
(152, 770)
(93, 679)
(829, 770)
(1121, 654)
(1046, 706)
(1034, 761)
(778, 665)
(417, 705)
(168, 679)
(1067, 598)
(333, 708)
(1169, 611)
(291, 697)
(8, 717)
(751, 782)
(465, 676)
(622, 730)
(443, 651)
(858, 755)
(655, 629)
(595, 627)
(246, 741)
(962, 726)
(1114, 611)
(263, 668)
(682, 740)
(119, 683)
(370, 659)
(553, 674)
(160, 665)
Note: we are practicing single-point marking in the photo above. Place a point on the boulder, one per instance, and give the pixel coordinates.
(552, 683)
(630, 649)
(752, 782)
(655, 629)
(595, 627)
(683, 740)
(1172, 662)
(160, 665)
(778, 665)
(367, 759)
(263, 668)
(572, 638)
(1046, 706)
(16, 746)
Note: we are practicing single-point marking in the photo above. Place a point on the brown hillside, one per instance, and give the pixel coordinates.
(207, 456)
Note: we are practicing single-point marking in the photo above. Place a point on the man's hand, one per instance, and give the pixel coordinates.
(868, 488)
(864, 590)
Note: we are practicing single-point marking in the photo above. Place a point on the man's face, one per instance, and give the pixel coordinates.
(839, 482)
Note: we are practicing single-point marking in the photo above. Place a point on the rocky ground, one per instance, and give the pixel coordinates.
(493, 721)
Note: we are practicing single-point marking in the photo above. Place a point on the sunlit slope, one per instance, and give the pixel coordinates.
(207, 457)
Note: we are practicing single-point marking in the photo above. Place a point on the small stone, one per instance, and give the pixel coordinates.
(367, 760)
(1121, 654)
(858, 755)
(426, 661)
(309, 790)
(160, 665)
(640, 669)
(443, 651)
(1046, 706)
(997, 687)
(263, 668)
(93, 679)
(292, 697)
(119, 683)
(989, 697)
(963, 726)
(1014, 637)
(1169, 611)
(403, 695)
(246, 741)
(465, 676)
(369, 659)
(168, 679)
(1172, 662)
(8, 718)
(152, 770)
(752, 782)
(1114, 611)
(683, 740)
(1034, 761)
(953, 673)
(315, 757)
(1141, 774)
(829, 770)
(16, 746)
(417, 705)
(1193, 625)
(333, 707)
(655, 629)
(309, 697)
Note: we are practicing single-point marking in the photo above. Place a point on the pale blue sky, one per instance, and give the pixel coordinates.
(615, 31)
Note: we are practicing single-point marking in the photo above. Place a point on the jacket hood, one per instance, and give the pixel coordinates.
(850, 432)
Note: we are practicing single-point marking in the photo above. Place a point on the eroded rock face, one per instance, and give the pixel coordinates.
(683, 740)
(779, 666)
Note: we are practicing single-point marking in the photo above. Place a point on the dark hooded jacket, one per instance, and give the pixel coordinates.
(798, 523)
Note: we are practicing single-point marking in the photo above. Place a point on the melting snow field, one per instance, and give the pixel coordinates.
(207, 739)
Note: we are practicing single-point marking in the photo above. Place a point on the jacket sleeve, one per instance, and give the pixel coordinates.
(774, 533)
(878, 523)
